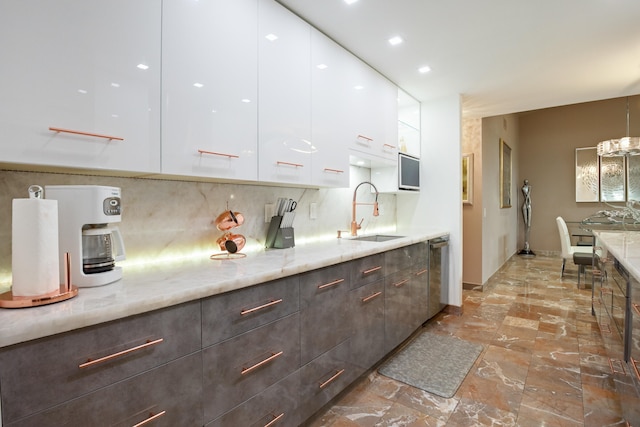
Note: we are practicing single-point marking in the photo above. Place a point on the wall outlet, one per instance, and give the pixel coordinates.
(313, 211)
(269, 211)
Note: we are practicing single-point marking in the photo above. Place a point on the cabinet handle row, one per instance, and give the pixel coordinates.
(371, 270)
(326, 285)
(274, 420)
(372, 296)
(257, 365)
(151, 418)
(91, 362)
(78, 132)
(260, 307)
(297, 165)
(619, 364)
(231, 156)
(333, 378)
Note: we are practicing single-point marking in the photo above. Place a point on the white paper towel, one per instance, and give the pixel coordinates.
(34, 244)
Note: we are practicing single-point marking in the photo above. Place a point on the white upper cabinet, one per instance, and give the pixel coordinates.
(80, 84)
(210, 88)
(408, 124)
(372, 101)
(284, 96)
(330, 130)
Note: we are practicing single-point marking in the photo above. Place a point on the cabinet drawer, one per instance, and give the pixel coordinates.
(230, 314)
(277, 405)
(324, 378)
(239, 368)
(42, 373)
(171, 393)
(367, 270)
(397, 260)
(367, 314)
(400, 308)
(323, 284)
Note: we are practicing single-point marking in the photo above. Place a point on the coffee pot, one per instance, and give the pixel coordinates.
(98, 253)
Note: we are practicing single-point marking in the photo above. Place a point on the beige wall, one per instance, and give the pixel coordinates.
(472, 213)
(546, 157)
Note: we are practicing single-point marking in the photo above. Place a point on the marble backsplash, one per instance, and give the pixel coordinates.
(164, 219)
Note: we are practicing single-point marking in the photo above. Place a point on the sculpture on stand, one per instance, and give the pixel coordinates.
(526, 216)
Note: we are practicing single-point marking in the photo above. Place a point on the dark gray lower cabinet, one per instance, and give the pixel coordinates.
(366, 307)
(400, 308)
(240, 368)
(171, 393)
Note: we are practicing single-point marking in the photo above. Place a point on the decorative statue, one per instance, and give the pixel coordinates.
(526, 216)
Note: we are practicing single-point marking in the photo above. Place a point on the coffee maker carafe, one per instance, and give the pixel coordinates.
(86, 214)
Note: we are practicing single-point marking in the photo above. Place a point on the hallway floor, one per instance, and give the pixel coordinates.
(543, 363)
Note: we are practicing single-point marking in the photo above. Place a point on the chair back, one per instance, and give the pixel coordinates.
(565, 239)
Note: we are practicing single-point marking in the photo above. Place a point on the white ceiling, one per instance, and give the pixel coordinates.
(502, 56)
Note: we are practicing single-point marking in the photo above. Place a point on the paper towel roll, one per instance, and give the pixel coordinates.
(34, 245)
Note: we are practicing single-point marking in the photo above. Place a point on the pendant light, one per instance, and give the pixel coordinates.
(626, 146)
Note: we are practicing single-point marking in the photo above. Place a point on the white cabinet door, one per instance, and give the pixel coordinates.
(374, 116)
(330, 129)
(284, 96)
(80, 83)
(209, 82)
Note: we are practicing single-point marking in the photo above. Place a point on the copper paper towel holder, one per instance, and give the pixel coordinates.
(67, 291)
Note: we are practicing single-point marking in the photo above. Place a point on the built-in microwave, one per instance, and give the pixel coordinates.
(408, 172)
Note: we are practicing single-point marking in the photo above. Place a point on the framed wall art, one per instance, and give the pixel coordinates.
(467, 179)
(505, 175)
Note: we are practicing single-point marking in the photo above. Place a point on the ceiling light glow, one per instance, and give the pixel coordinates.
(322, 66)
(424, 69)
(143, 66)
(271, 37)
(395, 40)
(350, 1)
(198, 85)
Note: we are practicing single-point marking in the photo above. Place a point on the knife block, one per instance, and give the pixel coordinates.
(279, 238)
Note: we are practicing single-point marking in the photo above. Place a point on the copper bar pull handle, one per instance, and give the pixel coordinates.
(335, 282)
(365, 137)
(333, 378)
(231, 156)
(151, 418)
(634, 364)
(77, 132)
(149, 343)
(297, 165)
(636, 309)
(274, 420)
(260, 307)
(397, 285)
(393, 147)
(333, 170)
(421, 272)
(257, 365)
(372, 296)
(67, 272)
(371, 270)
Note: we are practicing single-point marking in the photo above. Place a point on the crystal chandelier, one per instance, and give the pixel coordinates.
(627, 146)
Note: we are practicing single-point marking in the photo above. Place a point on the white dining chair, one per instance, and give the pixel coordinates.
(565, 244)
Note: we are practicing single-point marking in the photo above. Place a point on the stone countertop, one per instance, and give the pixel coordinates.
(153, 287)
(624, 246)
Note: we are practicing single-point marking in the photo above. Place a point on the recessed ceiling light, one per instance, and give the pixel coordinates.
(424, 69)
(143, 66)
(271, 37)
(322, 66)
(198, 85)
(246, 100)
(395, 40)
(350, 1)
(358, 87)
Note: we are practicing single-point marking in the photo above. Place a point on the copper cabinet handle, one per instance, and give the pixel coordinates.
(397, 285)
(91, 362)
(297, 165)
(151, 418)
(422, 272)
(231, 156)
(257, 365)
(78, 132)
(634, 365)
(393, 147)
(636, 308)
(333, 378)
(364, 137)
(371, 270)
(372, 296)
(260, 307)
(274, 420)
(335, 282)
(333, 170)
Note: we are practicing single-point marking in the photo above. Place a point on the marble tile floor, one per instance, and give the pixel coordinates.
(543, 363)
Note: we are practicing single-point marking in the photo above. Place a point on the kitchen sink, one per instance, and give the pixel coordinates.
(376, 238)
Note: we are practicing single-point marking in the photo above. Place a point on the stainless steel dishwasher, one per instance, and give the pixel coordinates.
(438, 274)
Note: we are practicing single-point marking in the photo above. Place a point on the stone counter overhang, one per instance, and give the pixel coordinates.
(153, 287)
(624, 246)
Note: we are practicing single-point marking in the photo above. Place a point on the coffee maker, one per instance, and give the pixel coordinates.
(86, 214)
